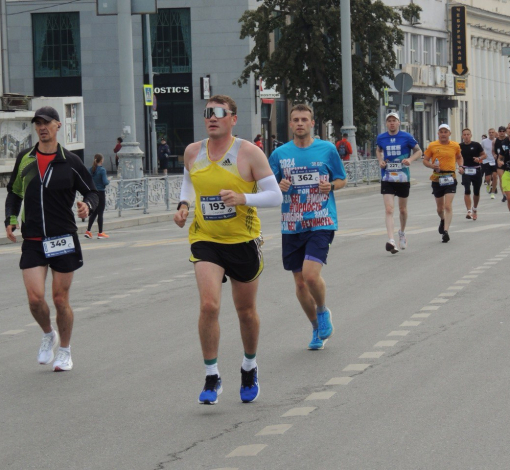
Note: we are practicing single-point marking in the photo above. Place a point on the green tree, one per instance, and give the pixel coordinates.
(306, 63)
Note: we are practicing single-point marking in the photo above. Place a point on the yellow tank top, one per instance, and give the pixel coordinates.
(214, 221)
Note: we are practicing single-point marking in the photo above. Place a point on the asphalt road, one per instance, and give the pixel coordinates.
(416, 375)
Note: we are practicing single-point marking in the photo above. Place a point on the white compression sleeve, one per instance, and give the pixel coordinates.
(187, 190)
(270, 194)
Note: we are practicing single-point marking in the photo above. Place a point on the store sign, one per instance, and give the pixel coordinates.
(459, 48)
(419, 106)
(460, 86)
(173, 90)
(267, 93)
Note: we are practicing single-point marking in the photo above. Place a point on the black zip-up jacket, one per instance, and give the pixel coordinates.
(48, 209)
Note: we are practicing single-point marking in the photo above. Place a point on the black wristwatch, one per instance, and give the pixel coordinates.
(332, 186)
(182, 203)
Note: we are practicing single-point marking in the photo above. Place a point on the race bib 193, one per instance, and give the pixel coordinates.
(304, 178)
(213, 208)
(58, 246)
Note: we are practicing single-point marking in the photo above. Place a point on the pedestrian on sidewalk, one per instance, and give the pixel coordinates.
(98, 174)
(45, 179)
(116, 150)
(164, 156)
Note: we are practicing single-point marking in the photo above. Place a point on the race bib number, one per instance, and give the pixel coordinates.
(393, 166)
(213, 208)
(470, 171)
(305, 178)
(58, 246)
(446, 180)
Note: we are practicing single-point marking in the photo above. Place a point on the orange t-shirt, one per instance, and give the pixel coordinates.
(446, 154)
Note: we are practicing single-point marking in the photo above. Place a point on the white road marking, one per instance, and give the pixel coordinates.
(120, 296)
(302, 411)
(320, 396)
(385, 344)
(33, 324)
(398, 333)
(455, 288)
(247, 451)
(430, 308)
(489, 263)
(339, 381)
(439, 301)
(167, 280)
(483, 267)
(447, 294)
(151, 285)
(80, 309)
(420, 315)
(12, 332)
(476, 272)
(101, 302)
(356, 367)
(274, 429)
(469, 277)
(371, 355)
(463, 281)
(410, 323)
(182, 275)
(137, 290)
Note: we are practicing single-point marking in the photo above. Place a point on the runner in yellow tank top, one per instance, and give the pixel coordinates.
(222, 174)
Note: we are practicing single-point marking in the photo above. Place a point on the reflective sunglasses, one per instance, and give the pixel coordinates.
(217, 111)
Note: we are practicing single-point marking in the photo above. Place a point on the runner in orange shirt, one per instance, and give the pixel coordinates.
(442, 155)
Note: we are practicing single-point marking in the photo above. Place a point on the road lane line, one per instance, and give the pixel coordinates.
(385, 344)
(274, 429)
(420, 315)
(301, 411)
(410, 323)
(136, 291)
(455, 288)
(320, 396)
(339, 381)
(371, 355)
(356, 367)
(247, 451)
(398, 333)
(490, 263)
(447, 294)
(464, 281)
(469, 277)
(439, 301)
(80, 309)
(151, 285)
(101, 302)
(33, 324)
(12, 332)
(120, 296)
(428, 308)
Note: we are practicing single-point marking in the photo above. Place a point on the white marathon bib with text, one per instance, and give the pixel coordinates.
(213, 208)
(58, 246)
(305, 178)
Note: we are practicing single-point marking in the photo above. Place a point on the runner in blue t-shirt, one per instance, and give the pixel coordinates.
(308, 172)
(394, 150)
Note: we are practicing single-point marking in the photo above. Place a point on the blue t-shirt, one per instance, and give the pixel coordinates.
(304, 208)
(396, 148)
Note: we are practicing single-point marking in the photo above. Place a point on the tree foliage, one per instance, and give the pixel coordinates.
(306, 63)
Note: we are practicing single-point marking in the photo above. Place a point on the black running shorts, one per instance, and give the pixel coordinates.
(440, 191)
(32, 255)
(398, 189)
(241, 261)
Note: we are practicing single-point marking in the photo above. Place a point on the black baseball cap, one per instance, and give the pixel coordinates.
(502, 129)
(47, 113)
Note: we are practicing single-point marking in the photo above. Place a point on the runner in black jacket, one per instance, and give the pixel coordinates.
(46, 179)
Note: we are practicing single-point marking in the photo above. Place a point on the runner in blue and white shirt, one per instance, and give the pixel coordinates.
(308, 171)
(395, 151)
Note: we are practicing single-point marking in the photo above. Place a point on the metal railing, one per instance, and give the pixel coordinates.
(151, 192)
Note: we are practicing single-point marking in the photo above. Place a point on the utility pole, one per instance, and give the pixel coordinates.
(345, 36)
(4, 67)
(152, 123)
(130, 156)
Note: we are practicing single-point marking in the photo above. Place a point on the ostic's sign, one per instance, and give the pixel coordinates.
(459, 49)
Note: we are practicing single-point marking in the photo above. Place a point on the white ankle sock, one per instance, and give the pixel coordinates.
(249, 364)
(212, 370)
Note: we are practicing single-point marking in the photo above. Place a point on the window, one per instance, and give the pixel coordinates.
(171, 41)
(399, 53)
(441, 52)
(427, 50)
(56, 38)
(413, 49)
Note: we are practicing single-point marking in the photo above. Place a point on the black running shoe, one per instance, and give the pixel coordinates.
(446, 237)
(504, 198)
(441, 227)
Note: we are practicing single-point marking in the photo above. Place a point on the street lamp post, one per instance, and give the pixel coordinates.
(345, 36)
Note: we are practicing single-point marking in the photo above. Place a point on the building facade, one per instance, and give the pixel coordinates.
(66, 49)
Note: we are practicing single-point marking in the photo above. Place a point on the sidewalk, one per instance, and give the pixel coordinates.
(131, 218)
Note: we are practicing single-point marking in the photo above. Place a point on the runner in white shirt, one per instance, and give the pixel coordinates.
(489, 165)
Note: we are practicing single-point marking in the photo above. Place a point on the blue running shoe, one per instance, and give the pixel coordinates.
(316, 342)
(325, 326)
(249, 385)
(212, 389)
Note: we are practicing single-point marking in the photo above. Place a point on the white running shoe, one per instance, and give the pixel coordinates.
(402, 241)
(63, 361)
(48, 347)
(391, 247)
